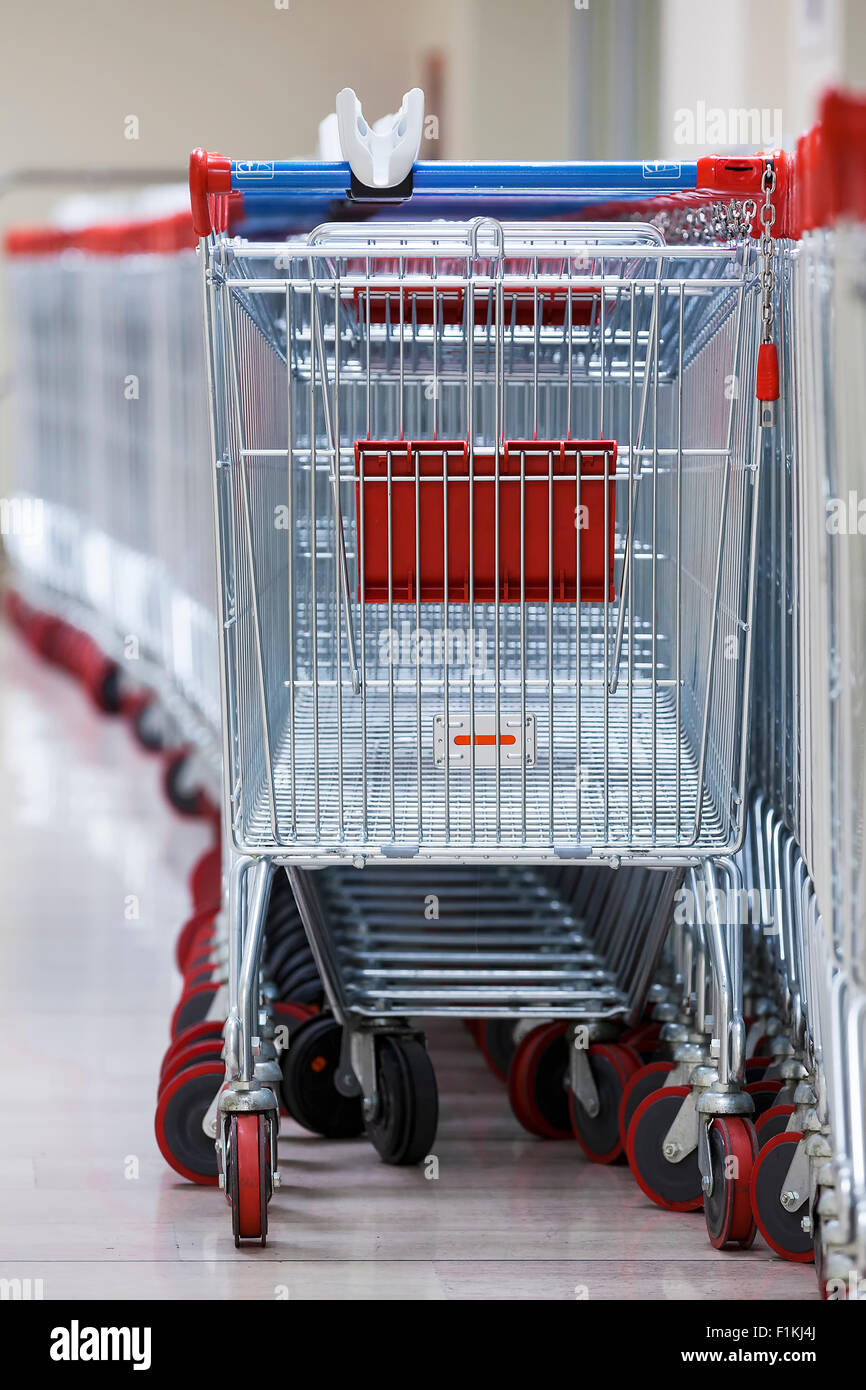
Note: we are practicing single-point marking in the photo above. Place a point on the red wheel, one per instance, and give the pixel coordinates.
(249, 1177)
(207, 1050)
(289, 1014)
(181, 1108)
(188, 933)
(631, 1051)
(728, 1208)
(763, 1094)
(773, 1121)
(641, 1084)
(536, 1079)
(672, 1186)
(782, 1229)
(198, 1032)
(206, 881)
(192, 1007)
(645, 1039)
(200, 972)
(612, 1067)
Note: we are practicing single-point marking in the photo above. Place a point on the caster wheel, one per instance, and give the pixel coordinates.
(780, 1228)
(187, 935)
(404, 1127)
(754, 1068)
(764, 1094)
(284, 955)
(287, 1009)
(182, 1105)
(186, 801)
(294, 981)
(673, 1186)
(312, 994)
(309, 1065)
(208, 1050)
(192, 1007)
(102, 680)
(537, 1082)
(644, 1039)
(206, 881)
(642, 1084)
(211, 1030)
(773, 1121)
(613, 1067)
(495, 1038)
(728, 1210)
(201, 972)
(248, 1180)
(145, 723)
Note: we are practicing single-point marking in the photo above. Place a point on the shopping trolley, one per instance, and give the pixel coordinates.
(486, 495)
(109, 493)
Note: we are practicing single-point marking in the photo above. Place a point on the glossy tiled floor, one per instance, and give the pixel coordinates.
(93, 867)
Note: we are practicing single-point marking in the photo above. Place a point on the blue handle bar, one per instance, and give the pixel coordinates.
(302, 178)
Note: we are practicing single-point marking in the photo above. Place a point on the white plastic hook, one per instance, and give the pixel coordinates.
(380, 156)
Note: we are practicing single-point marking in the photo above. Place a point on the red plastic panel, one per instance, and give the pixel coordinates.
(381, 304)
(439, 486)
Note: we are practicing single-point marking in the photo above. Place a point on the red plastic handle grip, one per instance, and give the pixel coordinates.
(210, 179)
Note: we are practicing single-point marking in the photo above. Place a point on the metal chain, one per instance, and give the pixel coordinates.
(767, 218)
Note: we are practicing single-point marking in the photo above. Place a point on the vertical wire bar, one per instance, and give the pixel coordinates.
(626, 575)
(361, 538)
(679, 580)
(470, 435)
(605, 604)
(445, 637)
(338, 545)
(313, 554)
(291, 548)
(389, 495)
(535, 346)
(654, 636)
(523, 638)
(578, 741)
(419, 766)
(551, 741)
(499, 392)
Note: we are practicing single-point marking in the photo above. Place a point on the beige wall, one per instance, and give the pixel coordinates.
(254, 81)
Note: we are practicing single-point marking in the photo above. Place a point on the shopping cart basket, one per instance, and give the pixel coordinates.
(486, 495)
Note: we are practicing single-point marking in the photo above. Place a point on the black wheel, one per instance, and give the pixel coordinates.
(651, 1077)
(598, 1135)
(309, 1066)
(183, 1103)
(496, 1041)
(108, 693)
(311, 993)
(290, 982)
(184, 800)
(147, 727)
(403, 1130)
(281, 950)
(782, 1229)
(673, 1186)
(728, 1209)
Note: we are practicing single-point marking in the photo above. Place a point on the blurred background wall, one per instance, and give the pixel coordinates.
(518, 79)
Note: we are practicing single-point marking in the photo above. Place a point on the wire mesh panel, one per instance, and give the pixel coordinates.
(486, 506)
